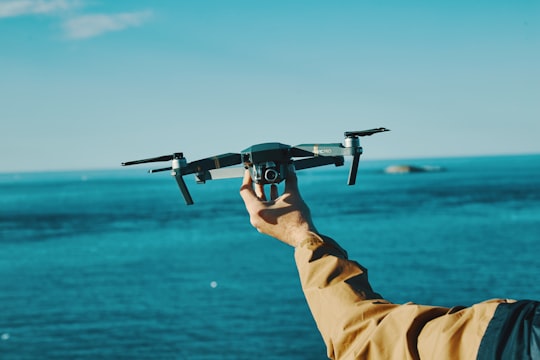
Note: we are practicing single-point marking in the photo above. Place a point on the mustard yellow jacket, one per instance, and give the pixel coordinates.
(357, 323)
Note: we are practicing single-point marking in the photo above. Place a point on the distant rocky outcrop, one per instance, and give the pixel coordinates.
(406, 169)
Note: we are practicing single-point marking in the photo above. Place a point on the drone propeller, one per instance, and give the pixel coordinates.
(365, 132)
(154, 159)
(151, 171)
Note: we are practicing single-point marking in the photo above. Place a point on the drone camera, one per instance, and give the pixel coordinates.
(268, 172)
(271, 175)
(267, 162)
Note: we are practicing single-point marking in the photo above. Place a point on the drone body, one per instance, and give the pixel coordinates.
(268, 163)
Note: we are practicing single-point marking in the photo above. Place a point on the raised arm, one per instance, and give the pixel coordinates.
(354, 321)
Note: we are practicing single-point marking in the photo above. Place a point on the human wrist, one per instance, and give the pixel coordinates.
(297, 235)
(310, 240)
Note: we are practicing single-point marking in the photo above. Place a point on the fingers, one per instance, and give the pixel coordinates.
(246, 191)
(291, 183)
(259, 191)
(249, 191)
(246, 182)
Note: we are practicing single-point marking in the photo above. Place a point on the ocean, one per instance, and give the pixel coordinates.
(113, 265)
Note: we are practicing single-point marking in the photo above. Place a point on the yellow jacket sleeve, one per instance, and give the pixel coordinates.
(357, 323)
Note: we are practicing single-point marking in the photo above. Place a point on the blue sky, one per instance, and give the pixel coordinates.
(89, 84)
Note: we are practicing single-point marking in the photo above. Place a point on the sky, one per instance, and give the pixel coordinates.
(88, 84)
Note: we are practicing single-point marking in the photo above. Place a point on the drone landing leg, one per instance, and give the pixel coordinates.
(183, 187)
(354, 169)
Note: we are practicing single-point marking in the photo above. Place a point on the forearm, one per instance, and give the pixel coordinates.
(323, 264)
(354, 321)
(337, 291)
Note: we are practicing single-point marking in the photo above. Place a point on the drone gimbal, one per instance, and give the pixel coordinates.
(268, 163)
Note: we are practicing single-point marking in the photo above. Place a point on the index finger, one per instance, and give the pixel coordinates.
(246, 190)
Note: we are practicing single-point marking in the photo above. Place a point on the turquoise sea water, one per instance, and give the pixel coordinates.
(113, 265)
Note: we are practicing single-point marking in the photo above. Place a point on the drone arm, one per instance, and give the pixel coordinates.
(215, 162)
(223, 173)
(317, 161)
(332, 149)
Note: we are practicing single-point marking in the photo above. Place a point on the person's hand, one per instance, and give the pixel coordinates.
(285, 217)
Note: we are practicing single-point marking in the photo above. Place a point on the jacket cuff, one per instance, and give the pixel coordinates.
(321, 245)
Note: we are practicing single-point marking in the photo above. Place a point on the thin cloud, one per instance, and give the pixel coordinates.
(27, 7)
(87, 26)
(77, 27)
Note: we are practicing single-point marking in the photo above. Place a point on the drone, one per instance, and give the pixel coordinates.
(268, 163)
